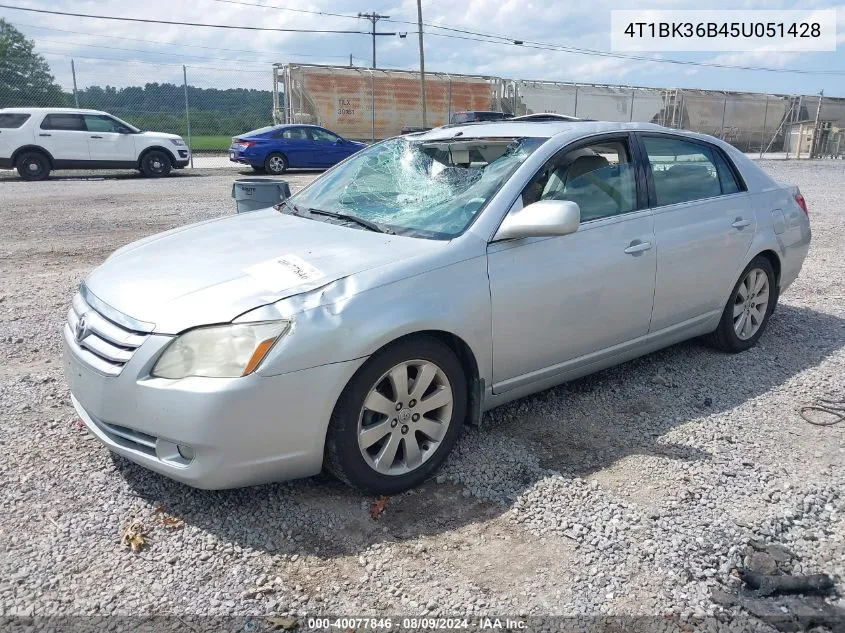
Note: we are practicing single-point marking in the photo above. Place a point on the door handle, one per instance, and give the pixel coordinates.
(45, 134)
(740, 223)
(637, 247)
(96, 137)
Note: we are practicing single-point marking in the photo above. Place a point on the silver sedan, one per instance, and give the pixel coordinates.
(421, 282)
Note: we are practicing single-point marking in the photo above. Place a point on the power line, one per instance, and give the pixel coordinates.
(174, 44)
(210, 26)
(269, 6)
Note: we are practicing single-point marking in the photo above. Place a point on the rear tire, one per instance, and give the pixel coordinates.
(33, 166)
(749, 308)
(276, 164)
(421, 386)
(156, 164)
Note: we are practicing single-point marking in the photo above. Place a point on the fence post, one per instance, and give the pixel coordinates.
(631, 114)
(75, 93)
(449, 107)
(765, 120)
(373, 102)
(187, 112)
(724, 110)
(575, 114)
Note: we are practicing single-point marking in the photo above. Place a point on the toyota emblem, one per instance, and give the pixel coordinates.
(81, 328)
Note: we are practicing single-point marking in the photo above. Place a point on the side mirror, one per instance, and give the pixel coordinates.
(546, 218)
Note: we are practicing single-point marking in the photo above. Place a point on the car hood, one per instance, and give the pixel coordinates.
(216, 270)
(160, 135)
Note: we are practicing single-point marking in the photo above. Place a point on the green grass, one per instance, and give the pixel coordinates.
(210, 143)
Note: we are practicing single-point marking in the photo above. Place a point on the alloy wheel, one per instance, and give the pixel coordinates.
(751, 303)
(405, 416)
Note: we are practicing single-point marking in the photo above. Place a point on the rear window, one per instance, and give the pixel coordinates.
(10, 120)
(63, 122)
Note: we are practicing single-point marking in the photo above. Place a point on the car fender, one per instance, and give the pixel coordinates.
(337, 322)
(31, 148)
(148, 149)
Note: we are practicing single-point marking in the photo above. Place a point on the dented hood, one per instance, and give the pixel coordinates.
(214, 271)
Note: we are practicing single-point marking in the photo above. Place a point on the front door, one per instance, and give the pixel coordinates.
(559, 299)
(108, 140)
(64, 136)
(328, 148)
(703, 223)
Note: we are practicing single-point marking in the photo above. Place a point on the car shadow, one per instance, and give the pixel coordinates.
(574, 429)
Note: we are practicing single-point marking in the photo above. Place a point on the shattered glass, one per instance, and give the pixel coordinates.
(423, 188)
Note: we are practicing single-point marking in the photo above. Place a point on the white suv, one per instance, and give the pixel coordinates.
(38, 140)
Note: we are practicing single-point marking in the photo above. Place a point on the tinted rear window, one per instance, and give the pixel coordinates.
(63, 122)
(10, 120)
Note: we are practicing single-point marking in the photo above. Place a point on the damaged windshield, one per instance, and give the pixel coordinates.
(432, 188)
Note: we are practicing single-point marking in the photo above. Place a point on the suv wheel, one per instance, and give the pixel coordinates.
(33, 166)
(156, 164)
(398, 418)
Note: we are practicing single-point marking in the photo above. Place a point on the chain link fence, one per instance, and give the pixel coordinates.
(208, 105)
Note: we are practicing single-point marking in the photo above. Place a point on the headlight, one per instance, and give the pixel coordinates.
(220, 351)
(178, 142)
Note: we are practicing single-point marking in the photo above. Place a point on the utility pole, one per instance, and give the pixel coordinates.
(75, 93)
(373, 18)
(422, 61)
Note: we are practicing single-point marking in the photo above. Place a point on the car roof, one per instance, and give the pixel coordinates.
(535, 129)
(51, 110)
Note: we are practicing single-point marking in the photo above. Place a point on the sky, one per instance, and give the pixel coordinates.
(126, 53)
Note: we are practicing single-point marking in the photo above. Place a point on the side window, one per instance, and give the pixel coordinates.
(99, 123)
(599, 177)
(295, 134)
(12, 120)
(322, 136)
(727, 176)
(71, 122)
(682, 171)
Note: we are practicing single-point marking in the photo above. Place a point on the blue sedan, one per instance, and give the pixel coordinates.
(277, 148)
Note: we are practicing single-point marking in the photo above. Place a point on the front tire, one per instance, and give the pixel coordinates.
(156, 164)
(749, 308)
(276, 164)
(33, 166)
(398, 418)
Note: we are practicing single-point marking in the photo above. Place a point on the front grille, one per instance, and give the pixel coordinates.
(102, 343)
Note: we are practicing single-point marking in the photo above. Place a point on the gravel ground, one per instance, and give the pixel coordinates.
(633, 491)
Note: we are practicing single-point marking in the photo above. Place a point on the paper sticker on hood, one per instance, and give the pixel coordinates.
(281, 273)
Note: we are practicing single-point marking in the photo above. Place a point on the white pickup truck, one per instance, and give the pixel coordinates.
(36, 141)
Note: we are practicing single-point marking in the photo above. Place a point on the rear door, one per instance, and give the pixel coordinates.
(703, 224)
(64, 136)
(108, 139)
(295, 143)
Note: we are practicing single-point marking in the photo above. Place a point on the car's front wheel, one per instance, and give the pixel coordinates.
(33, 166)
(398, 418)
(276, 164)
(748, 310)
(156, 164)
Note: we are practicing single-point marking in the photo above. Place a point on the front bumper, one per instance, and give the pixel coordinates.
(242, 431)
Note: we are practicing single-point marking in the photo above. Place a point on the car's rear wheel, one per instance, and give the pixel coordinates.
(33, 166)
(398, 418)
(276, 164)
(748, 310)
(156, 164)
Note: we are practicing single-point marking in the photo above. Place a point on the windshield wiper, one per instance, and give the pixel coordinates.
(367, 224)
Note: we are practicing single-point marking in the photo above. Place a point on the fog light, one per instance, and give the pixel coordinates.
(186, 452)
